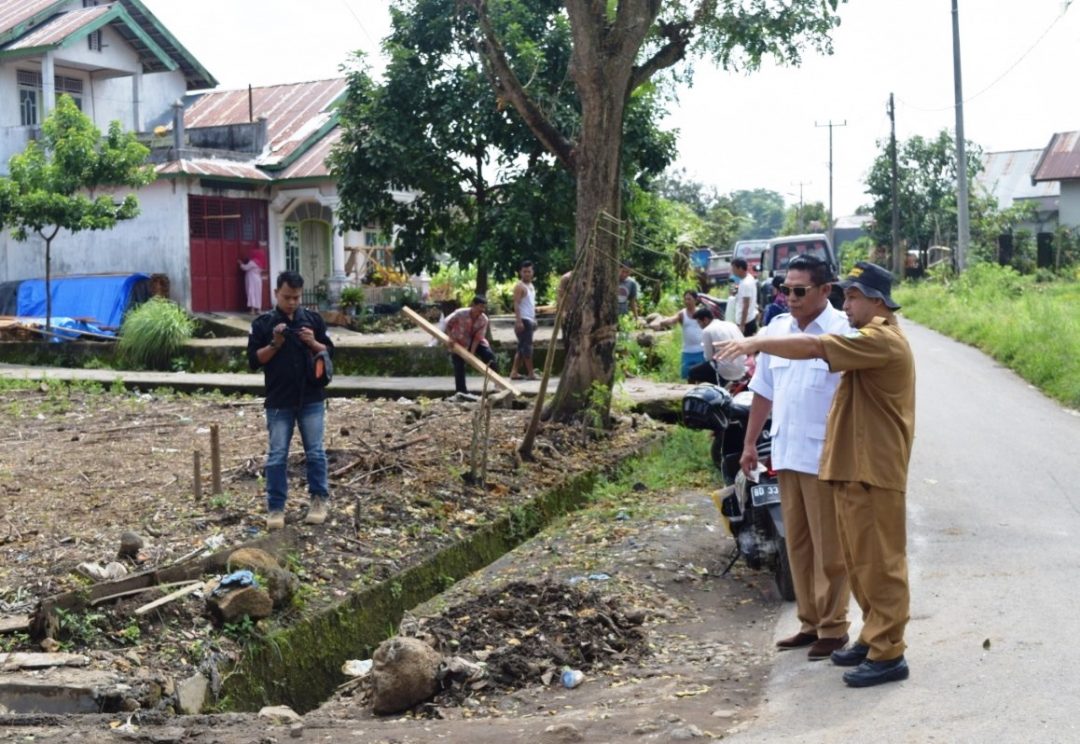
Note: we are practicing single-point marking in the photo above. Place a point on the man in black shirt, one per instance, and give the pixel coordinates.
(282, 342)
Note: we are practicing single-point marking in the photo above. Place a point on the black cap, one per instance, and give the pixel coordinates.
(479, 300)
(873, 281)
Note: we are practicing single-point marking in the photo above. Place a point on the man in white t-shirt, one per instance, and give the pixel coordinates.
(713, 331)
(524, 321)
(799, 393)
(746, 310)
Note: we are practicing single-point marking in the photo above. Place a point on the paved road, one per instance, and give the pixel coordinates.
(994, 521)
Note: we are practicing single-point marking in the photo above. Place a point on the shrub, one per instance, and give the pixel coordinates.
(153, 333)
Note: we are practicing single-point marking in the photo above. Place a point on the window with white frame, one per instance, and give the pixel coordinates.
(30, 94)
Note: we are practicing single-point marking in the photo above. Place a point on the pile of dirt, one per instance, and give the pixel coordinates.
(526, 632)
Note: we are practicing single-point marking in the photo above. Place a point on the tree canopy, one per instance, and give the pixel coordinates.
(53, 181)
(436, 153)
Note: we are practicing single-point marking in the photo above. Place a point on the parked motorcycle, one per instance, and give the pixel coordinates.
(750, 505)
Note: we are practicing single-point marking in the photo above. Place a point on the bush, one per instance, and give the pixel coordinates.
(153, 333)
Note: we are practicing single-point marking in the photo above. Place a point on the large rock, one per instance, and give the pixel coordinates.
(248, 601)
(281, 584)
(253, 559)
(130, 545)
(404, 674)
(191, 694)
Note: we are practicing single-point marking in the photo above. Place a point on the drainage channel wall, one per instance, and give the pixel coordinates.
(301, 666)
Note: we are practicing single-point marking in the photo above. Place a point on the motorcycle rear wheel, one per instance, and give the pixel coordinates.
(785, 582)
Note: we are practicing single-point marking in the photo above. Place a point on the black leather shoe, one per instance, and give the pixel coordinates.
(853, 655)
(871, 673)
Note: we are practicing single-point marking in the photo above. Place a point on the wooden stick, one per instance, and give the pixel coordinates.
(409, 443)
(462, 352)
(189, 589)
(198, 475)
(142, 589)
(215, 459)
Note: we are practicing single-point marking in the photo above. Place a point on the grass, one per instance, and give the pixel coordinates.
(1030, 326)
(153, 333)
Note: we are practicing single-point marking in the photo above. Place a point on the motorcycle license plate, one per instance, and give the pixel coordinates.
(763, 495)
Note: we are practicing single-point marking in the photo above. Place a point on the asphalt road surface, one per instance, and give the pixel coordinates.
(994, 561)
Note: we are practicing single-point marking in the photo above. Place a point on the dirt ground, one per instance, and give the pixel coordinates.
(700, 642)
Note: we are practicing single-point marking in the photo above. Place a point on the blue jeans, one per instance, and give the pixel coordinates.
(280, 423)
(689, 359)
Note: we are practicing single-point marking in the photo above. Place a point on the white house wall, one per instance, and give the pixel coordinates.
(154, 242)
(1069, 204)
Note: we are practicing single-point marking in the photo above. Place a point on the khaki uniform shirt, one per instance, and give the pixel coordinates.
(872, 421)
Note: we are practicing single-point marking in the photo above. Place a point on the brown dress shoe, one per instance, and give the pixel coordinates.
(798, 640)
(823, 647)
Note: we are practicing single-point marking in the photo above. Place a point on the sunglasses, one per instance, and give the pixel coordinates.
(797, 291)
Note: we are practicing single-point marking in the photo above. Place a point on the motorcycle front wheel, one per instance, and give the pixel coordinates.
(784, 580)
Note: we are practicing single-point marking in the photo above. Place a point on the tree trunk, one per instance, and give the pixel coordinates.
(591, 325)
(481, 277)
(48, 285)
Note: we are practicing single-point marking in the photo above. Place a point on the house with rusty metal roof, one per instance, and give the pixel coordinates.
(1059, 163)
(1007, 177)
(240, 171)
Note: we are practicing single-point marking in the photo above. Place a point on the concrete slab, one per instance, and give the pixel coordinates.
(58, 691)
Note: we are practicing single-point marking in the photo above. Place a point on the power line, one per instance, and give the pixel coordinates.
(1000, 77)
(360, 23)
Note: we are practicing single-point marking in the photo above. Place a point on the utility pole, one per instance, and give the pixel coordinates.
(898, 261)
(963, 229)
(830, 125)
(799, 209)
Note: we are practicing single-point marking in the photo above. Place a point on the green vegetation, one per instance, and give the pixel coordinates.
(154, 332)
(1029, 325)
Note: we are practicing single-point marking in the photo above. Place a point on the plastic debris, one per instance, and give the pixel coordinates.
(235, 580)
(571, 678)
(97, 572)
(356, 667)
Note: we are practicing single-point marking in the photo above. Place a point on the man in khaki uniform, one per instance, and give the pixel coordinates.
(867, 449)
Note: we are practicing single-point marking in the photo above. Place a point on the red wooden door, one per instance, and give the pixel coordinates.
(222, 232)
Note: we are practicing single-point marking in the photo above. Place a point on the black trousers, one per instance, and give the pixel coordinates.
(704, 372)
(484, 353)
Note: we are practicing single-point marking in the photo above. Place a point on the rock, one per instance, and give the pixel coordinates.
(49, 645)
(685, 732)
(296, 730)
(404, 674)
(280, 714)
(191, 694)
(248, 601)
(564, 733)
(252, 559)
(130, 545)
(725, 713)
(281, 585)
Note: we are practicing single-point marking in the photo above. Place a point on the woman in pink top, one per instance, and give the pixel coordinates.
(253, 283)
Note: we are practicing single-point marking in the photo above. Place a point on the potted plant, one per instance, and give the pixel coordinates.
(322, 294)
(351, 299)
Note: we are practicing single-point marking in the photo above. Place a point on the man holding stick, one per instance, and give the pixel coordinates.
(467, 328)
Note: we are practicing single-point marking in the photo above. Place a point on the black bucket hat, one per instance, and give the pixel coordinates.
(873, 281)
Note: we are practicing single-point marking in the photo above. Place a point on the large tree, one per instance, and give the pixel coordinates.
(619, 46)
(55, 181)
(479, 186)
(926, 190)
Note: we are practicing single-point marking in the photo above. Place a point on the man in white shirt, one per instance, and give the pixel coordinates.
(746, 310)
(524, 321)
(799, 394)
(713, 331)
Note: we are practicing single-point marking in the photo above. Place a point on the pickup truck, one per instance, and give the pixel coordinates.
(784, 248)
(719, 269)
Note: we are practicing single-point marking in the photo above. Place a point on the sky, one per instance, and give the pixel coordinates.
(744, 131)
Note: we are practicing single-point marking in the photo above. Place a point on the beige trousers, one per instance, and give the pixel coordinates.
(817, 559)
(873, 532)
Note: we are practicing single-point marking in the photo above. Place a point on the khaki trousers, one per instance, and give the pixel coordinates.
(817, 559)
(873, 532)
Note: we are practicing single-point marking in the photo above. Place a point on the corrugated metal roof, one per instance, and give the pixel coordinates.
(14, 13)
(54, 31)
(195, 74)
(312, 164)
(1060, 160)
(1007, 177)
(211, 168)
(294, 112)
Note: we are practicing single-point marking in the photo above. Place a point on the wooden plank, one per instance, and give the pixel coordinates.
(464, 353)
(14, 624)
(37, 660)
(183, 592)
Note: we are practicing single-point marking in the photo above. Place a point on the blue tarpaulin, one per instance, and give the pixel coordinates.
(100, 299)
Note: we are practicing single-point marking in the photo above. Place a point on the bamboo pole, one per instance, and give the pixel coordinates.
(197, 459)
(462, 352)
